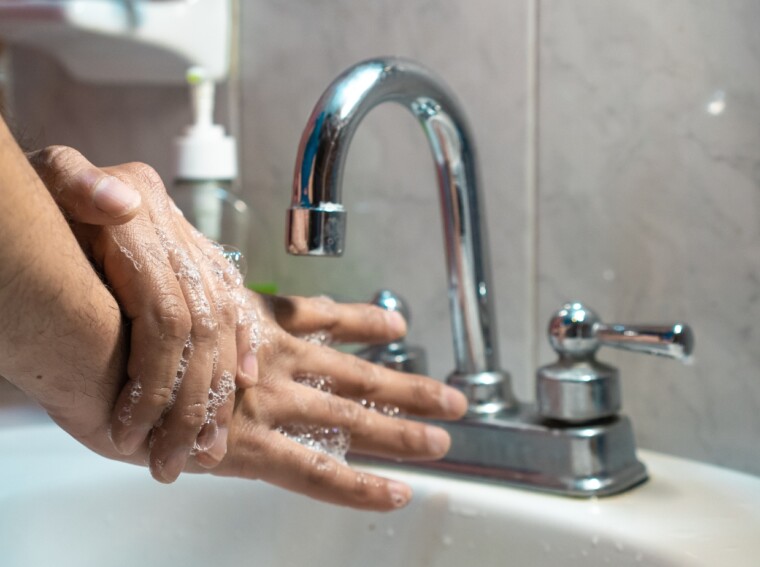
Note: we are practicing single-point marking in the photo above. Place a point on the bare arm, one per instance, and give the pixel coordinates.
(61, 337)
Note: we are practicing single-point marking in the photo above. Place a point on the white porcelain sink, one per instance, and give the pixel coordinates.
(62, 506)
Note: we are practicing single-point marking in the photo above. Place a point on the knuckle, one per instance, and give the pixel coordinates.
(423, 392)
(228, 315)
(409, 437)
(328, 310)
(144, 172)
(54, 158)
(147, 180)
(370, 374)
(204, 328)
(351, 414)
(174, 320)
(362, 488)
(159, 396)
(192, 417)
(320, 470)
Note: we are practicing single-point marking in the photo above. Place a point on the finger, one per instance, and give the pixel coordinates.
(356, 378)
(86, 193)
(359, 322)
(182, 424)
(239, 307)
(212, 439)
(160, 329)
(371, 431)
(296, 468)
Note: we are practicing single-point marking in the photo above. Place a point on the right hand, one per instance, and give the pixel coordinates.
(187, 350)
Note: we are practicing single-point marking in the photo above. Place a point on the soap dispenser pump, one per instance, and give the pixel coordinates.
(205, 167)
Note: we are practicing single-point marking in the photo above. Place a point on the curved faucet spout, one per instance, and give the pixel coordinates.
(316, 218)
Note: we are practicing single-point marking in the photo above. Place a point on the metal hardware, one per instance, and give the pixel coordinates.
(397, 354)
(316, 219)
(578, 388)
(522, 449)
(572, 442)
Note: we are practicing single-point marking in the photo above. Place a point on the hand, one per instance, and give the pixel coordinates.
(276, 398)
(259, 450)
(176, 288)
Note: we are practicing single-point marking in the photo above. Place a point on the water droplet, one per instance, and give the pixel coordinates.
(446, 540)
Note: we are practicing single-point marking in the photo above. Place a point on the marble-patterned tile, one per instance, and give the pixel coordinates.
(649, 203)
(108, 123)
(291, 52)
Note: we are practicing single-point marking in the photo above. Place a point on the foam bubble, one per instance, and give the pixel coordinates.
(388, 410)
(135, 393)
(331, 441)
(128, 254)
(320, 337)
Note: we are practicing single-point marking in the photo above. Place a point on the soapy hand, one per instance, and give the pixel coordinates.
(188, 348)
(156, 256)
(284, 396)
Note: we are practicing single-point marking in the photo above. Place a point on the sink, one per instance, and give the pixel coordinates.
(62, 505)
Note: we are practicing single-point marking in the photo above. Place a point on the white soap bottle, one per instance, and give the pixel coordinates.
(205, 167)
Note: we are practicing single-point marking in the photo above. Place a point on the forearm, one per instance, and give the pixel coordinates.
(61, 337)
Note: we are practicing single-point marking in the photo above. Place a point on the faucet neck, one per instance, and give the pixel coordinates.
(317, 219)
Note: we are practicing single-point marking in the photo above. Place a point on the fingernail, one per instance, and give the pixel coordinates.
(209, 459)
(395, 322)
(438, 440)
(400, 493)
(131, 441)
(250, 369)
(207, 436)
(172, 467)
(453, 402)
(115, 198)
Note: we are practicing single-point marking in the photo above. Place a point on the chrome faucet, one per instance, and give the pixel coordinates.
(317, 219)
(572, 441)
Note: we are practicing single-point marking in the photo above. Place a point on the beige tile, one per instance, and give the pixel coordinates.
(649, 209)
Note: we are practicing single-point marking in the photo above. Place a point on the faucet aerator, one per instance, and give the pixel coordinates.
(316, 231)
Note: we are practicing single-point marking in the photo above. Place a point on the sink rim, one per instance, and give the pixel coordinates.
(654, 516)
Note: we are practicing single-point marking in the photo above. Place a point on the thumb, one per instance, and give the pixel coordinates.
(86, 193)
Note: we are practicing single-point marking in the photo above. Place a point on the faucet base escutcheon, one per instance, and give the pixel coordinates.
(521, 448)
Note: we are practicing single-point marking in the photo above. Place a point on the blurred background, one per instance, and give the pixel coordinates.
(619, 148)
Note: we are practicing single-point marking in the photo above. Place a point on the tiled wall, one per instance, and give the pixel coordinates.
(609, 176)
(649, 202)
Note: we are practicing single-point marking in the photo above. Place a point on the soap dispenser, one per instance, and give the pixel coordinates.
(205, 167)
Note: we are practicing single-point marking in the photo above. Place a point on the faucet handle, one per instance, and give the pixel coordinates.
(396, 354)
(578, 388)
(672, 341)
(577, 331)
(391, 301)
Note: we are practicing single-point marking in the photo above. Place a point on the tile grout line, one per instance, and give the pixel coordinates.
(531, 181)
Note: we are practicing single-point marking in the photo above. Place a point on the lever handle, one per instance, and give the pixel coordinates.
(577, 331)
(578, 388)
(673, 341)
